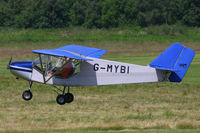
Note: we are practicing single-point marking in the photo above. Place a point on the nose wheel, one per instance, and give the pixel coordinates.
(27, 94)
(65, 97)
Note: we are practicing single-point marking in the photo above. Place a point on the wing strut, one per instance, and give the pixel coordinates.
(43, 73)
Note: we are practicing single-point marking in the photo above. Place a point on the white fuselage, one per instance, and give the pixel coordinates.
(21, 69)
(105, 72)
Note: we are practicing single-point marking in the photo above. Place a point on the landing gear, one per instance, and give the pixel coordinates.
(60, 99)
(69, 97)
(65, 97)
(27, 94)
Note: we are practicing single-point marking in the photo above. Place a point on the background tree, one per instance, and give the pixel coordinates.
(191, 15)
(98, 13)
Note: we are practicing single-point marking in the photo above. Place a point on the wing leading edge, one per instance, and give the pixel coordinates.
(60, 53)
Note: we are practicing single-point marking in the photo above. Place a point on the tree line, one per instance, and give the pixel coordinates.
(98, 13)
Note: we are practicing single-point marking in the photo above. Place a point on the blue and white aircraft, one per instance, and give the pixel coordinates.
(74, 65)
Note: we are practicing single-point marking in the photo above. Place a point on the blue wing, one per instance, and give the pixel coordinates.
(73, 51)
(86, 51)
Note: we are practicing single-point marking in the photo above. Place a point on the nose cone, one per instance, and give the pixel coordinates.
(22, 69)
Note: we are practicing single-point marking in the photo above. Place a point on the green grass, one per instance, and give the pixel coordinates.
(151, 107)
(122, 36)
(113, 131)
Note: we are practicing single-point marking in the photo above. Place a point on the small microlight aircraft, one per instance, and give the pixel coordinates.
(74, 65)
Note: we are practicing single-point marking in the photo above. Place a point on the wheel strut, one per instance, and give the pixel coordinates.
(64, 90)
(30, 83)
(68, 89)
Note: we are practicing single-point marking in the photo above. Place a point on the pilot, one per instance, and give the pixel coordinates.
(67, 70)
(61, 61)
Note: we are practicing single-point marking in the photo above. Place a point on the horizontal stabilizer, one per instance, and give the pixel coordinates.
(176, 59)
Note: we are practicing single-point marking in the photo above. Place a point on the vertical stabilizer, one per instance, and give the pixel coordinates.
(176, 59)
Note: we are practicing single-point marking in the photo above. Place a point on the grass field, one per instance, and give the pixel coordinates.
(144, 108)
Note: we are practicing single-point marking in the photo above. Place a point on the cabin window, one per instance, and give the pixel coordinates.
(57, 66)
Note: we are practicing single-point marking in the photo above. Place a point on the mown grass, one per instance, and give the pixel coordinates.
(116, 108)
(114, 131)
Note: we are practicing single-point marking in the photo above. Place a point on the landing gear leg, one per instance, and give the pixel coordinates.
(27, 94)
(64, 97)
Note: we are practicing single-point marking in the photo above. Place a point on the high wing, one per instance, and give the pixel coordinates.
(60, 53)
(74, 52)
(85, 51)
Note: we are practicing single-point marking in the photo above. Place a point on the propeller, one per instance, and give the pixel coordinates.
(8, 66)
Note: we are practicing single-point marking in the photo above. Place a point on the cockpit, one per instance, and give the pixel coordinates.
(61, 67)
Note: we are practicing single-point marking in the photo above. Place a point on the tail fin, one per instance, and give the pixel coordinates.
(176, 59)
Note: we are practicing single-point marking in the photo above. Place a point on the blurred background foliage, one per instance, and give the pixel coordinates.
(98, 13)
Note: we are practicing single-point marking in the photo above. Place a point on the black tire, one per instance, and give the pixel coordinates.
(60, 99)
(69, 97)
(27, 95)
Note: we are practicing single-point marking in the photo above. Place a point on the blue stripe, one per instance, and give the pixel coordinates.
(27, 64)
(20, 69)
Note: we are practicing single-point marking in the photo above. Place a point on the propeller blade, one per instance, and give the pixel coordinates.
(8, 66)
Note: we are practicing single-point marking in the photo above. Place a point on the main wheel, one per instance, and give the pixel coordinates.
(60, 99)
(27, 95)
(69, 97)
